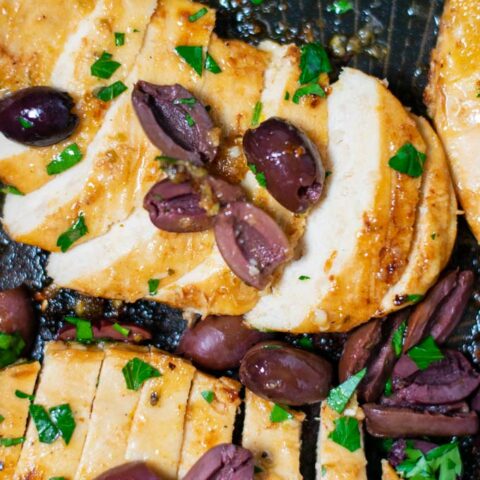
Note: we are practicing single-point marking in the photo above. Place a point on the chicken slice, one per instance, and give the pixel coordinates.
(211, 412)
(69, 376)
(275, 446)
(112, 414)
(119, 165)
(453, 99)
(157, 429)
(358, 239)
(435, 227)
(14, 411)
(388, 472)
(335, 462)
(26, 167)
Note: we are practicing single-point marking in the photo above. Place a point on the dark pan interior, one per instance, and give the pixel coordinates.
(406, 30)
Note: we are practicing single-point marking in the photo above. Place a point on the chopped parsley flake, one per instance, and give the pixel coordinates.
(136, 372)
(185, 101)
(425, 353)
(197, 16)
(57, 478)
(119, 39)
(340, 396)
(11, 347)
(192, 55)
(311, 89)
(46, 429)
(25, 123)
(11, 442)
(11, 190)
(190, 120)
(287, 96)
(408, 160)
(153, 284)
(279, 414)
(327, 173)
(304, 277)
(208, 396)
(62, 417)
(346, 433)
(104, 67)
(257, 2)
(74, 233)
(340, 7)
(23, 395)
(306, 342)
(260, 176)
(121, 330)
(84, 331)
(66, 159)
(257, 112)
(313, 62)
(433, 236)
(388, 388)
(398, 338)
(211, 65)
(2, 418)
(107, 94)
(414, 298)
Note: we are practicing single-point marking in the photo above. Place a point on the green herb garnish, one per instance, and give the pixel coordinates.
(346, 433)
(388, 388)
(107, 94)
(119, 39)
(104, 67)
(398, 338)
(11, 190)
(84, 331)
(62, 417)
(11, 442)
(304, 277)
(208, 396)
(260, 176)
(433, 236)
(197, 16)
(414, 298)
(340, 396)
(57, 478)
(2, 418)
(136, 372)
(185, 101)
(306, 342)
(311, 89)
(257, 2)
(279, 414)
(408, 160)
(23, 395)
(257, 112)
(211, 65)
(47, 430)
(69, 157)
(153, 284)
(11, 347)
(121, 330)
(73, 234)
(340, 7)
(287, 96)
(190, 120)
(25, 123)
(313, 62)
(425, 353)
(193, 56)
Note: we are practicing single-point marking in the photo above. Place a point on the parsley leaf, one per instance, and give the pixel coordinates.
(388, 388)
(260, 176)
(10, 189)
(25, 123)
(57, 478)
(279, 414)
(121, 330)
(425, 353)
(47, 430)
(398, 338)
(304, 277)
(20, 394)
(313, 61)
(311, 89)
(2, 418)
(104, 67)
(211, 65)
(306, 342)
(257, 2)
(112, 91)
(74, 233)
(153, 284)
(185, 101)
(119, 39)
(340, 7)
(84, 331)
(257, 112)
(197, 16)
(340, 396)
(66, 159)
(408, 160)
(62, 417)
(414, 298)
(136, 372)
(11, 347)
(190, 120)
(11, 442)
(193, 56)
(208, 396)
(346, 433)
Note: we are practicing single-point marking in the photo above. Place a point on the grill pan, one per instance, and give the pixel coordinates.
(404, 32)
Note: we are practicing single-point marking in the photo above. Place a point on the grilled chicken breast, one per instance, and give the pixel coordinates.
(74, 53)
(275, 446)
(77, 368)
(453, 100)
(14, 411)
(388, 473)
(335, 462)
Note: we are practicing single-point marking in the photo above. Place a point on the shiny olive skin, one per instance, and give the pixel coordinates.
(291, 163)
(130, 471)
(284, 374)
(16, 314)
(219, 343)
(47, 110)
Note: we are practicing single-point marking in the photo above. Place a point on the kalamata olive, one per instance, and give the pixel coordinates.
(175, 122)
(382, 421)
(358, 348)
(475, 403)
(223, 462)
(16, 314)
(219, 343)
(225, 192)
(37, 116)
(290, 162)
(251, 243)
(130, 471)
(105, 329)
(284, 374)
(175, 207)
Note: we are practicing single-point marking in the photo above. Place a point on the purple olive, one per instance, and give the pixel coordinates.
(398, 454)
(291, 163)
(284, 374)
(175, 207)
(251, 243)
(16, 314)
(175, 122)
(37, 116)
(475, 403)
(219, 343)
(130, 471)
(223, 462)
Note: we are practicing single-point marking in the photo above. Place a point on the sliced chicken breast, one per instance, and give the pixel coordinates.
(388, 472)
(275, 446)
(358, 239)
(112, 414)
(76, 51)
(335, 462)
(156, 435)
(119, 165)
(14, 411)
(435, 227)
(211, 412)
(77, 369)
(453, 100)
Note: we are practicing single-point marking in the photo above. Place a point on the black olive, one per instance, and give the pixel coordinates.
(37, 116)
